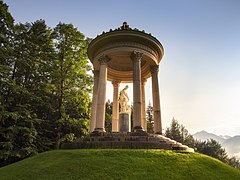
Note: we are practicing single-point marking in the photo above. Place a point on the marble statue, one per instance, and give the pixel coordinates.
(123, 100)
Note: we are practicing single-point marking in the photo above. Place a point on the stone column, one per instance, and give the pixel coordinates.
(137, 93)
(94, 100)
(115, 110)
(156, 101)
(101, 100)
(144, 121)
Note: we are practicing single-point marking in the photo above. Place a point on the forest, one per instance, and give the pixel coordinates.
(45, 86)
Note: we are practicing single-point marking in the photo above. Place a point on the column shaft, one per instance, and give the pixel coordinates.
(100, 115)
(94, 101)
(144, 121)
(156, 101)
(115, 110)
(137, 93)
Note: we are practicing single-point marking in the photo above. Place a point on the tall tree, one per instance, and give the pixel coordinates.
(174, 131)
(71, 81)
(44, 86)
(179, 133)
(23, 91)
(6, 32)
(6, 47)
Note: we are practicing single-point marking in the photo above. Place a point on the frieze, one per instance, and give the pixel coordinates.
(128, 44)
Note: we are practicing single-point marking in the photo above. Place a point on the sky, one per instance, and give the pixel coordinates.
(199, 74)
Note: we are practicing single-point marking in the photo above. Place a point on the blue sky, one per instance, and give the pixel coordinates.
(200, 71)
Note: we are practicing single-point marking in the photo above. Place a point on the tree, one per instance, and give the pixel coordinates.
(108, 116)
(44, 88)
(18, 131)
(174, 131)
(72, 84)
(24, 90)
(6, 35)
(149, 116)
(6, 49)
(212, 148)
(179, 133)
(233, 162)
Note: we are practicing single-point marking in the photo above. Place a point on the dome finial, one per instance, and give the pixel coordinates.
(125, 25)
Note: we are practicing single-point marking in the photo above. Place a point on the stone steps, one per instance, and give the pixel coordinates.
(126, 141)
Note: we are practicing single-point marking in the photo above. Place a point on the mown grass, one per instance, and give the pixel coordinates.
(118, 164)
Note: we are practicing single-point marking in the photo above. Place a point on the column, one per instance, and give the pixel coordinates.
(137, 93)
(101, 100)
(156, 101)
(144, 121)
(94, 100)
(115, 110)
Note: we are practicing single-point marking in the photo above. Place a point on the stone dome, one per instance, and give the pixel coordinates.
(118, 45)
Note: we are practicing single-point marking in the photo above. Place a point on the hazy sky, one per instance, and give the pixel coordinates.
(200, 71)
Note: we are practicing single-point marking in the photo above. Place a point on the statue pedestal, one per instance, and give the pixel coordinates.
(124, 122)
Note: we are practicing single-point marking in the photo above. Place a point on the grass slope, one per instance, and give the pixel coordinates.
(118, 164)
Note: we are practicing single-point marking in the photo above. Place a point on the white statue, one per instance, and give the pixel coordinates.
(123, 100)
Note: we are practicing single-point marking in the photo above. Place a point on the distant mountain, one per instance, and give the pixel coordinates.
(230, 144)
(225, 136)
(204, 135)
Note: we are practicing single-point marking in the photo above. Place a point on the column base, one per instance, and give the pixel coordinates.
(160, 133)
(138, 131)
(137, 128)
(99, 130)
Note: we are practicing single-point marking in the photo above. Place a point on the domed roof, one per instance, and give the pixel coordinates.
(118, 45)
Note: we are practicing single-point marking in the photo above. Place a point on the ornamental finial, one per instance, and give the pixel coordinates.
(125, 26)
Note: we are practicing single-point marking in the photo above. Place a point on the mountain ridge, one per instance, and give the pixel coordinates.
(230, 144)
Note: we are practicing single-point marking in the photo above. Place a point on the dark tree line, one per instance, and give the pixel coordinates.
(44, 86)
(210, 147)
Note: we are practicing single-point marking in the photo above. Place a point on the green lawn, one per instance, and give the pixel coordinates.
(118, 164)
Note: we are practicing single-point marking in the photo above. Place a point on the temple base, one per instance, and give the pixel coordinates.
(131, 140)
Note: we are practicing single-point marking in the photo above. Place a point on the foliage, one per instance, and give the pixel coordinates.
(149, 118)
(210, 147)
(44, 87)
(233, 162)
(17, 121)
(179, 133)
(108, 116)
(70, 79)
(119, 164)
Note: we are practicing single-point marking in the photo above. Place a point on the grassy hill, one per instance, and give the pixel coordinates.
(118, 164)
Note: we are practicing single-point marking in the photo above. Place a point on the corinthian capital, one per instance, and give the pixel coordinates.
(116, 83)
(103, 59)
(136, 56)
(154, 69)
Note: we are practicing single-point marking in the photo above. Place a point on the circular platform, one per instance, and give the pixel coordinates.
(131, 140)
